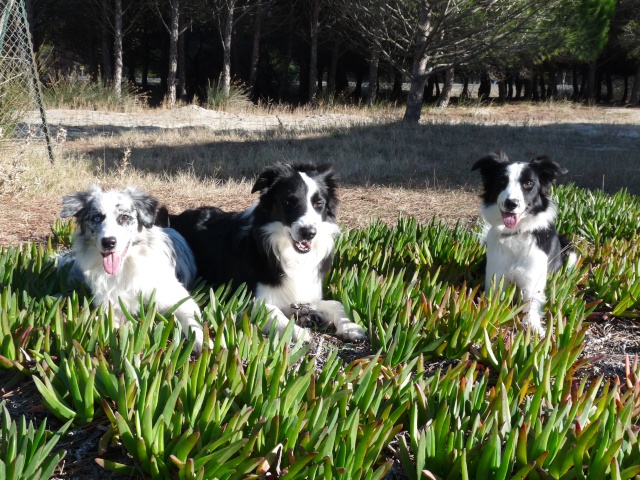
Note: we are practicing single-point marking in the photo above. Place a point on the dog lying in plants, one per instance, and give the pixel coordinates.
(119, 253)
(281, 247)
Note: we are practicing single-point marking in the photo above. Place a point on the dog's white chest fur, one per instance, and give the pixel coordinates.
(301, 282)
(517, 259)
(139, 275)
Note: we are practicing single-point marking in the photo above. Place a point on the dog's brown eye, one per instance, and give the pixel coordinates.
(319, 204)
(124, 218)
(527, 185)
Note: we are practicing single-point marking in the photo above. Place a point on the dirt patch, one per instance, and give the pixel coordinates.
(28, 219)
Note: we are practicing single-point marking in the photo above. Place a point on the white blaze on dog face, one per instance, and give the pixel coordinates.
(112, 220)
(305, 228)
(511, 199)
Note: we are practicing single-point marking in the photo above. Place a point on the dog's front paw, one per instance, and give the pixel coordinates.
(279, 322)
(350, 332)
(300, 333)
(534, 321)
(197, 346)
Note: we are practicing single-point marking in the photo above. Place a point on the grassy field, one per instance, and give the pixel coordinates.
(451, 387)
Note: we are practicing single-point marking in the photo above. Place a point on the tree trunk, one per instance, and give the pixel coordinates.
(117, 48)
(591, 82)
(609, 82)
(313, 55)
(625, 93)
(484, 90)
(182, 66)
(145, 56)
(543, 91)
(107, 72)
(535, 91)
(519, 85)
(429, 88)
(465, 95)
(333, 69)
(397, 84)
(173, 53)
(574, 82)
(635, 91)
(227, 31)
(598, 85)
(284, 74)
(131, 73)
(357, 92)
(319, 73)
(372, 94)
(255, 51)
(447, 87)
(528, 89)
(502, 90)
(419, 70)
(552, 86)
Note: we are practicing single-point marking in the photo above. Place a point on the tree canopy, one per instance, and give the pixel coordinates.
(300, 51)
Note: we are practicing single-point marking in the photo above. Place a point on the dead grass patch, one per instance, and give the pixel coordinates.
(190, 156)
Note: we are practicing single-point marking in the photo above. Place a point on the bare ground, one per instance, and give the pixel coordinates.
(27, 210)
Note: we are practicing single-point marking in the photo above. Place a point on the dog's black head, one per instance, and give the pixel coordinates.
(515, 190)
(300, 197)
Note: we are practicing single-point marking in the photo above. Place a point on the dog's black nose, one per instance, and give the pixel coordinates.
(308, 232)
(109, 243)
(510, 204)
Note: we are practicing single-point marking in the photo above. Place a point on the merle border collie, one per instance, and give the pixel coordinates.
(281, 247)
(119, 253)
(523, 245)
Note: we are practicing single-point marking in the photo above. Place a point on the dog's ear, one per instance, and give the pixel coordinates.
(329, 178)
(268, 177)
(491, 161)
(547, 169)
(162, 217)
(146, 206)
(74, 204)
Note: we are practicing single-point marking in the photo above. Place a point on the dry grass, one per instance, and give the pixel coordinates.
(386, 169)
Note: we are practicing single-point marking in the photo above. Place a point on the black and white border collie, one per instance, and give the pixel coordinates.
(523, 245)
(281, 247)
(119, 253)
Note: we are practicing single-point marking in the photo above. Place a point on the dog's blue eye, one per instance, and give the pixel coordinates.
(97, 218)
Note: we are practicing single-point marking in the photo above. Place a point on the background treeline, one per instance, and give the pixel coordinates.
(301, 51)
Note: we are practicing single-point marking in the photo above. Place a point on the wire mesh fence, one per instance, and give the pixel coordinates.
(19, 83)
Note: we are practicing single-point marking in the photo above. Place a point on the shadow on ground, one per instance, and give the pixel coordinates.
(441, 155)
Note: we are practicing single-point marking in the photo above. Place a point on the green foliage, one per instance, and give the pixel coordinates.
(596, 216)
(586, 27)
(73, 90)
(25, 453)
(510, 404)
(62, 232)
(217, 99)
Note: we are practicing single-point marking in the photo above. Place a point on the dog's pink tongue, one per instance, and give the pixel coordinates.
(510, 219)
(112, 262)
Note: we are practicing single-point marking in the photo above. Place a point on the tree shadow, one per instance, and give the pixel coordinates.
(424, 156)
